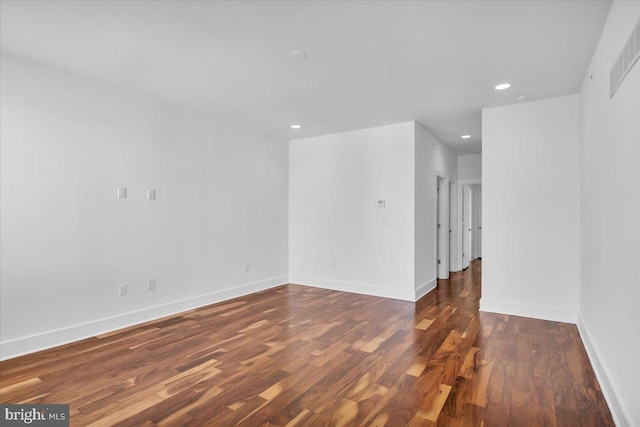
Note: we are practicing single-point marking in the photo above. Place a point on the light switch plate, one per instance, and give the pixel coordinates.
(122, 192)
(151, 195)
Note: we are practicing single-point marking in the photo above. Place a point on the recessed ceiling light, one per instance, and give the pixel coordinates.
(296, 126)
(298, 54)
(465, 136)
(523, 98)
(503, 86)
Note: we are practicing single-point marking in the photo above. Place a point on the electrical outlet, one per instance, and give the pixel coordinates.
(246, 268)
(151, 284)
(122, 289)
(122, 192)
(151, 195)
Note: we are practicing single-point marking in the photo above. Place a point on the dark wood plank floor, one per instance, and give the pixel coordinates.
(297, 355)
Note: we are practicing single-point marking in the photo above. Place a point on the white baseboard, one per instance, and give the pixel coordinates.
(54, 338)
(425, 289)
(618, 411)
(555, 314)
(354, 287)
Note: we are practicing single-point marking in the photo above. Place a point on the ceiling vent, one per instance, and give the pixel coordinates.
(629, 56)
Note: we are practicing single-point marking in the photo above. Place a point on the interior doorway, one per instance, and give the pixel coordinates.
(442, 228)
(476, 208)
(454, 261)
(466, 226)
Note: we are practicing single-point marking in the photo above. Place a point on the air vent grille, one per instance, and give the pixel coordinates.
(629, 56)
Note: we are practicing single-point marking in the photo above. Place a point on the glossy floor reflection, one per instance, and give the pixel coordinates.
(296, 355)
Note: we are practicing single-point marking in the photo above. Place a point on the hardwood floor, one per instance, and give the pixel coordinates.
(297, 355)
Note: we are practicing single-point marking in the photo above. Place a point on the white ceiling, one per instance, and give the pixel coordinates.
(369, 63)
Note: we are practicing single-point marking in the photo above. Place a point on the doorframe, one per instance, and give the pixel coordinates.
(453, 220)
(479, 224)
(462, 183)
(444, 222)
(476, 214)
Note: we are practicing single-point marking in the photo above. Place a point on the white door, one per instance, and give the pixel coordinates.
(442, 258)
(472, 231)
(438, 187)
(466, 225)
(479, 224)
(453, 244)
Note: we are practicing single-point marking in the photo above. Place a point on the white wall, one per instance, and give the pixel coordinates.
(470, 167)
(335, 182)
(432, 159)
(531, 209)
(609, 318)
(67, 242)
